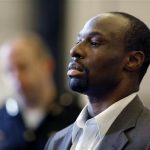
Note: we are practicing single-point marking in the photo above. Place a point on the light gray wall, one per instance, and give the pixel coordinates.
(15, 16)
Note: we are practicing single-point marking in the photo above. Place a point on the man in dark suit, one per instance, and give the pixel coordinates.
(29, 118)
(108, 62)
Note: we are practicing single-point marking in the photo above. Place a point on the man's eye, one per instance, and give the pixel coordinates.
(78, 41)
(94, 44)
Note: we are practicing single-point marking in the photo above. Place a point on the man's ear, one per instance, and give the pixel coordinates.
(134, 61)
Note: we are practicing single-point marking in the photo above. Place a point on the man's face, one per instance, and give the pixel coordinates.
(97, 62)
(25, 70)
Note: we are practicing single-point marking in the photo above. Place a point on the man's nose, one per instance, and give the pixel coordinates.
(77, 52)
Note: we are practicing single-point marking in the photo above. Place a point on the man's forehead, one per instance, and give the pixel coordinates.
(106, 23)
(108, 18)
(15, 51)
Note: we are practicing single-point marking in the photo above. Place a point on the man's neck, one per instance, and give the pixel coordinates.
(99, 104)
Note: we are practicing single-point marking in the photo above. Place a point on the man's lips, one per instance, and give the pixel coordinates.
(74, 72)
(74, 69)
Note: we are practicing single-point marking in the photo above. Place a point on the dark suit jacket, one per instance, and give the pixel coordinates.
(15, 136)
(130, 131)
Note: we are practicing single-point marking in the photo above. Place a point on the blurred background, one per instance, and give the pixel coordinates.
(58, 22)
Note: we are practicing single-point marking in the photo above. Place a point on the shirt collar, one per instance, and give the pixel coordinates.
(103, 120)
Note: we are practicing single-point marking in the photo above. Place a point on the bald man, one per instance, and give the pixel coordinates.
(108, 62)
(28, 119)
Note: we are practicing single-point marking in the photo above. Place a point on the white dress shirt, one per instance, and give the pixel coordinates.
(88, 133)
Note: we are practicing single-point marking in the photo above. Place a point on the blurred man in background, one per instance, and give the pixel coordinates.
(27, 121)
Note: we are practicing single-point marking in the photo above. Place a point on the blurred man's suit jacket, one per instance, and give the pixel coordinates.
(14, 135)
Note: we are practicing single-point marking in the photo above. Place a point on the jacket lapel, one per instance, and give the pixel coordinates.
(113, 141)
(115, 138)
(67, 141)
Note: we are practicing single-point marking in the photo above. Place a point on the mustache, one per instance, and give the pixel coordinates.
(77, 66)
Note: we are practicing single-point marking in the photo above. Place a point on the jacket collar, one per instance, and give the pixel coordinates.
(115, 138)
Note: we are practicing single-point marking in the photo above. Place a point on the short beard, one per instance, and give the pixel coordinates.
(78, 84)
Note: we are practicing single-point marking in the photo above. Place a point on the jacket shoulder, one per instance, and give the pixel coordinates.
(60, 139)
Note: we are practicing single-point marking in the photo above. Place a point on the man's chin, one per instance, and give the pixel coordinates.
(78, 85)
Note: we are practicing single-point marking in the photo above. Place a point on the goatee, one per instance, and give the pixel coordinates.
(78, 84)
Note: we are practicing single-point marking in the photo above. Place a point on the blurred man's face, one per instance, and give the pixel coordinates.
(25, 70)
